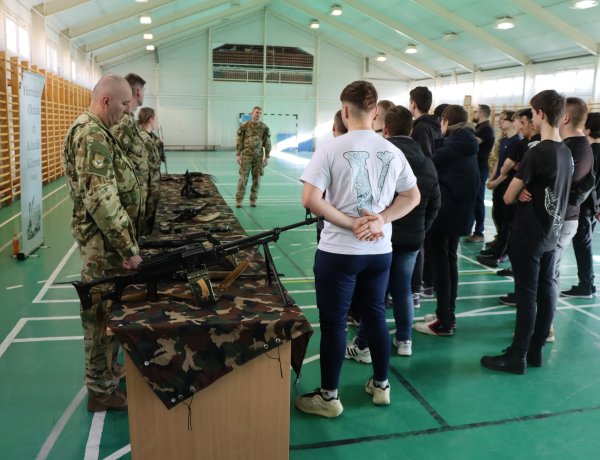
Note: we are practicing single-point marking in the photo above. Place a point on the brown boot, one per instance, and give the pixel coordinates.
(238, 204)
(98, 402)
(253, 203)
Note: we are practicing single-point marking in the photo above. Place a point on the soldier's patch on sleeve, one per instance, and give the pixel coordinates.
(99, 156)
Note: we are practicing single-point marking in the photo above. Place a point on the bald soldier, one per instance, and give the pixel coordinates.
(106, 211)
(135, 145)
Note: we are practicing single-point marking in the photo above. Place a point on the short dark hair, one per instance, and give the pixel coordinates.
(339, 123)
(439, 110)
(385, 104)
(526, 113)
(577, 110)
(508, 114)
(455, 114)
(593, 124)
(145, 115)
(485, 109)
(551, 103)
(256, 107)
(361, 94)
(398, 121)
(422, 98)
(135, 81)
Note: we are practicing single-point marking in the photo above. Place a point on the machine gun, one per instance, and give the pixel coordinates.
(188, 190)
(191, 258)
(149, 242)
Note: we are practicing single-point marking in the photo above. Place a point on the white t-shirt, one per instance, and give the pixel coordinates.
(358, 170)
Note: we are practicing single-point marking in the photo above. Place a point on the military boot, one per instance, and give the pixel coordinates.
(98, 402)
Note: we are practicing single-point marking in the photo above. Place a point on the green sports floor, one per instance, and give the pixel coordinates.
(444, 404)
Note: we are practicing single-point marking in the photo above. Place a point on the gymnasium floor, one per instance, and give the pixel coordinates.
(444, 404)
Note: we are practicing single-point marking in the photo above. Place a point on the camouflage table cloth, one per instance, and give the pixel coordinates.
(180, 348)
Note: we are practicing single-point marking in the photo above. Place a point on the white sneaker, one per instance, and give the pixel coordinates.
(361, 355)
(403, 347)
(315, 403)
(381, 396)
(551, 338)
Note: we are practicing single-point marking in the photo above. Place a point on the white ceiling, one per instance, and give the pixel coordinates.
(545, 29)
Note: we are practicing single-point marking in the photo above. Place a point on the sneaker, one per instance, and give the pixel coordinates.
(352, 321)
(507, 362)
(489, 244)
(381, 396)
(488, 261)
(238, 204)
(416, 300)
(508, 299)
(389, 303)
(315, 403)
(427, 292)
(403, 347)
(474, 238)
(486, 252)
(505, 272)
(360, 355)
(253, 204)
(534, 357)
(551, 338)
(432, 317)
(99, 402)
(578, 292)
(433, 328)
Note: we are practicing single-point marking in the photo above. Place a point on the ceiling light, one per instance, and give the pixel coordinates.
(336, 10)
(583, 4)
(450, 36)
(411, 49)
(149, 47)
(141, 1)
(314, 24)
(145, 20)
(381, 57)
(148, 37)
(504, 23)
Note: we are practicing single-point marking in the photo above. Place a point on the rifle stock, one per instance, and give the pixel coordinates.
(161, 267)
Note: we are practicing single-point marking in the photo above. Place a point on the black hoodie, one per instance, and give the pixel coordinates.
(426, 130)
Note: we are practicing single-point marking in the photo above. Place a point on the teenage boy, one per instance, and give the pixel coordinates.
(426, 128)
(541, 189)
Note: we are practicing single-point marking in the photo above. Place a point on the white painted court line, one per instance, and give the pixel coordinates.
(11, 335)
(17, 286)
(19, 213)
(120, 453)
(92, 448)
(60, 425)
(48, 339)
(59, 301)
(54, 274)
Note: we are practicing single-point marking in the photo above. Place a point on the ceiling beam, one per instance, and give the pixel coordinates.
(196, 26)
(376, 44)
(558, 25)
(141, 28)
(50, 7)
(411, 34)
(112, 18)
(477, 32)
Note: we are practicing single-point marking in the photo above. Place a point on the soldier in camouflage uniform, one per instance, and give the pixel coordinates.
(252, 137)
(129, 134)
(147, 123)
(106, 211)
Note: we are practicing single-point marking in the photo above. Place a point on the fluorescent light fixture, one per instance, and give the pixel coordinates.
(336, 10)
(381, 57)
(141, 1)
(314, 24)
(450, 36)
(145, 20)
(149, 47)
(148, 37)
(583, 4)
(504, 23)
(411, 49)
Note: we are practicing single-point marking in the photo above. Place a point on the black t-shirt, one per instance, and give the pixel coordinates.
(485, 132)
(546, 169)
(583, 162)
(516, 155)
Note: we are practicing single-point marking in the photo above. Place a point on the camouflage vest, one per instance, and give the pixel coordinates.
(252, 137)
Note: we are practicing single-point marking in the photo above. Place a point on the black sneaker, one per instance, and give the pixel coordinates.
(488, 261)
(534, 357)
(427, 292)
(509, 299)
(486, 252)
(505, 272)
(507, 362)
(578, 292)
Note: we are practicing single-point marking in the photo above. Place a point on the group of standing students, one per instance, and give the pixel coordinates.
(380, 197)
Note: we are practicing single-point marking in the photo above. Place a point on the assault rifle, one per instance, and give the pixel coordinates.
(191, 258)
(149, 242)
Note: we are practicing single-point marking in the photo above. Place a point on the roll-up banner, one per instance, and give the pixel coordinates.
(30, 111)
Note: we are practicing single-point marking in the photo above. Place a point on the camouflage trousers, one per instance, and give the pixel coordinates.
(100, 348)
(152, 202)
(250, 164)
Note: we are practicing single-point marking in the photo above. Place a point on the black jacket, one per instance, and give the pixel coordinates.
(408, 232)
(426, 131)
(455, 159)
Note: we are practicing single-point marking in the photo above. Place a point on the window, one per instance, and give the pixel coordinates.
(11, 36)
(24, 46)
(73, 70)
(572, 82)
(52, 58)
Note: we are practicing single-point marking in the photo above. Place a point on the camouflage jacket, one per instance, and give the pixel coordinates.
(129, 134)
(159, 145)
(252, 137)
(103, 186)
(152, 148)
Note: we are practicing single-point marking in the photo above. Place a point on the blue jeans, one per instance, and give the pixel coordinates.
(403, 263)
(337, 278)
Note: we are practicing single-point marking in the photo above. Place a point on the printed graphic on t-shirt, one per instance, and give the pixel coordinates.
(551, 205)
(360, 177)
